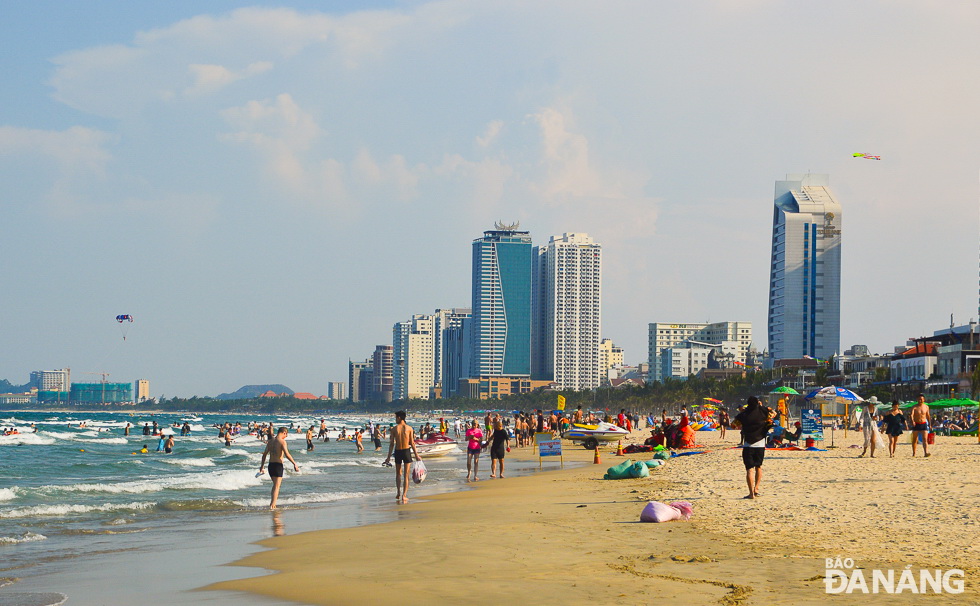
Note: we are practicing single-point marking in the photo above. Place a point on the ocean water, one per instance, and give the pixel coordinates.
(70, 492)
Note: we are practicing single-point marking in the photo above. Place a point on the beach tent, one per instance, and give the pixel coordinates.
(946, 403)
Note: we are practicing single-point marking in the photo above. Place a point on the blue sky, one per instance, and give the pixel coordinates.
(268, 188)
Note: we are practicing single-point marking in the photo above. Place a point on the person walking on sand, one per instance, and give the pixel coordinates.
(920, 425)
(275, 450)
(723, 421)
(894, 424)
(474, 439)
(499, 444)
(754, 424)
(402, 445)
(869, 427)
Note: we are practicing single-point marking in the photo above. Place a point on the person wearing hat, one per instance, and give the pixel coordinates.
(869, 427)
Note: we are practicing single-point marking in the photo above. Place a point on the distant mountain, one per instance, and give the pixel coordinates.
(254, 391)
(8, 387)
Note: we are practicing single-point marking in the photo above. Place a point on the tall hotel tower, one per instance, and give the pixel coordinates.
(501, 335)
(567, 312)
(804, 284)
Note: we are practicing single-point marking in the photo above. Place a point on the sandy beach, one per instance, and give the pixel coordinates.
(570, 537)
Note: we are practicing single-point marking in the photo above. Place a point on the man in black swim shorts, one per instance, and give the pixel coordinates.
(276, 449)
(403, 456)
(403, 447)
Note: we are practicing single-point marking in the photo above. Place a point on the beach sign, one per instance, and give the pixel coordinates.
(561, 402)
(812, 423)
(550, 448)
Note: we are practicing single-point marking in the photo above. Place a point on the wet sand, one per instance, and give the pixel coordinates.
(569, 537)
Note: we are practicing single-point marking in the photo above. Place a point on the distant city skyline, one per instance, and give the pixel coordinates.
(266, 189)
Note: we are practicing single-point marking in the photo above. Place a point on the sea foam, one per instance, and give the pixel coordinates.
(27, 537)
(216, 480)
(59, 510)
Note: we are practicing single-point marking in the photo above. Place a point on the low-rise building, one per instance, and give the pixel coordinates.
(915, 363)
(492, 388)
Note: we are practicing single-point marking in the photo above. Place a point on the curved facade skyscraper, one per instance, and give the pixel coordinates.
(501, 333)
(804, 283)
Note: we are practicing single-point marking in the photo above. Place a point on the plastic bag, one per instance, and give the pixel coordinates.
(419, 472)
(655, 511)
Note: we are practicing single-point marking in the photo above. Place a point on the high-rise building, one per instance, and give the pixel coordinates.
(456, 342)
(501, 335)
(414, 348)
(567, 304)
(359, 378)
(383, 374)
(141, 392)
(662, 335)
(609, 355)
(52, 380)
(804, 284)
(446, 320)
(335, 390)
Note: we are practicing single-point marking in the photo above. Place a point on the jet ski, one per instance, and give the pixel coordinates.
(591, 435)
(435, 444)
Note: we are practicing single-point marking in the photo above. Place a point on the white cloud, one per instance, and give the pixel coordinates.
(64, 165)
(488, 137)
(210, 78)
(76, 150)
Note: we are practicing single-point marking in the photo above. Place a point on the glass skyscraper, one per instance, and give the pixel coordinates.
(804, 284)
(501, 324)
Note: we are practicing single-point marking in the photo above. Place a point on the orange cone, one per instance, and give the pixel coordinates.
(619, 449)
(595, 460)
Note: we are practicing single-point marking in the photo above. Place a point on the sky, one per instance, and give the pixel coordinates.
(267, 188)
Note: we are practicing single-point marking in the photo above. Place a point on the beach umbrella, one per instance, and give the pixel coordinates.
(833, 393)
(787, 390)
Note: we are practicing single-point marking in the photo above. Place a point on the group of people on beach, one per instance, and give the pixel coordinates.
(894, 423)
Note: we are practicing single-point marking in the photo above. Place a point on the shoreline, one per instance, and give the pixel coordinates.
(191, 550)
(567, 536)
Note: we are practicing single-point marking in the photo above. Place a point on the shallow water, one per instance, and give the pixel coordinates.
(73, 492)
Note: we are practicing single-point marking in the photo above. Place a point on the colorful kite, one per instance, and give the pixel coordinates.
(866, 156)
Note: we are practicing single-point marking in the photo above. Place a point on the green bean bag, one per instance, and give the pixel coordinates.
(639, 470)
(619, 472)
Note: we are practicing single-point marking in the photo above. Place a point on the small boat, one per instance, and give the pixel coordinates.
(591, 435)
(435, 445)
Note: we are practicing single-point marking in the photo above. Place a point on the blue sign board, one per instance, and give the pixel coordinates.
(812, 423)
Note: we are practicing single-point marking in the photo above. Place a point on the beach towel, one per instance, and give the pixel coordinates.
(655, 511)
(684, 454)
(419, 472)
